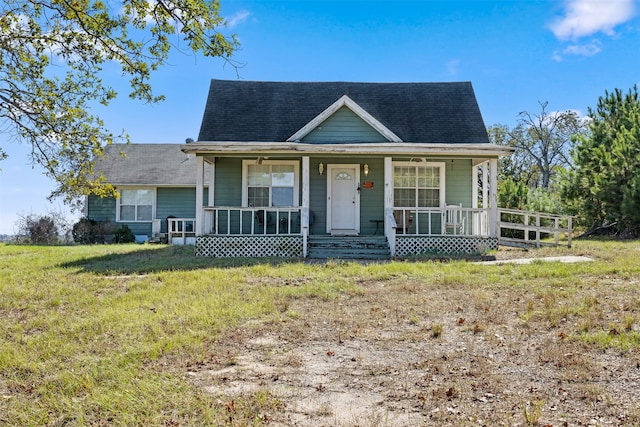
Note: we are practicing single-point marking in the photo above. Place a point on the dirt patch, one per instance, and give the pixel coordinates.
(406, 353)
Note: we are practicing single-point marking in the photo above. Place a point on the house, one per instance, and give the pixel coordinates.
(279, 167)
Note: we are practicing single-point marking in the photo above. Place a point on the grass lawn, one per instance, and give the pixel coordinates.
(139, 334)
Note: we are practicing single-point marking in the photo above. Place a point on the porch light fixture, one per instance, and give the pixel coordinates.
(321, 168)
(366, 169)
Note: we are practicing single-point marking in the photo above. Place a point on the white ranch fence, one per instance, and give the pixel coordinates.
(526, 229)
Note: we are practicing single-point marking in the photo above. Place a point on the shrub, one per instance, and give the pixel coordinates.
(42, 230)
(123, 234)
(84, 231)
(89, 231)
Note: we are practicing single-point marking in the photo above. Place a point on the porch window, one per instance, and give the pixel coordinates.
(418, 186)
(136, 205)
(270, 184)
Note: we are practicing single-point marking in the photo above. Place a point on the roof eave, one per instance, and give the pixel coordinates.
(391, 148)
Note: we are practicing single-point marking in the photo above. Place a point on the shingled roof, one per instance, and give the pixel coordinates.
(253, 111)
(147, 164)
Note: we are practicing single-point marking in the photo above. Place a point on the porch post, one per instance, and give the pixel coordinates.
(199, 194)
(389, 223)
(493, 198)
(485, 197)
(485, 184)
(305, 204)
(212, 182)
(474, 186)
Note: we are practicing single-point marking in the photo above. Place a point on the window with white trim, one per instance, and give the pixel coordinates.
(418, 185)
(136, 204)
(270, 184)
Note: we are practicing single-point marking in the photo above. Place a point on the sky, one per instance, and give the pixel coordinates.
(516, 54)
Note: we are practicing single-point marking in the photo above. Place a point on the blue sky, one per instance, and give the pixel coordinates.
(515, 53)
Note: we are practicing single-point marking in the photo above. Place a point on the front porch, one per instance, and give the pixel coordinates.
(442, 211)
(284, 232)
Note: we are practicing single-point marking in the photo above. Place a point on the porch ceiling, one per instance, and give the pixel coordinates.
(391, 148)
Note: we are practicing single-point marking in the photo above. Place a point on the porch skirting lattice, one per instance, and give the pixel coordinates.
(416, 245)
(249, 246)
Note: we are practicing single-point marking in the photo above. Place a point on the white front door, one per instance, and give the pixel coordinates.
(343, 199)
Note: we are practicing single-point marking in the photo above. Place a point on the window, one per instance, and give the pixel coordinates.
(272, 183)
(418, 186)
(136, 205)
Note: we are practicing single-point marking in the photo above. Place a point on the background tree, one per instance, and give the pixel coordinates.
(604, 187)
(52, 53)
(542, 145)
(48, 229)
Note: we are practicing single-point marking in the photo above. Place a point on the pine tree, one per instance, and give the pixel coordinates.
(604, 187)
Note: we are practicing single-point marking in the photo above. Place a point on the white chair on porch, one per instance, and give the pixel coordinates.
(454, 219)
(404, 220)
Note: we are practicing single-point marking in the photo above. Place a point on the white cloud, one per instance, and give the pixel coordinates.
(238, 18)
(583, 49)
(586, 49)
(587, 17)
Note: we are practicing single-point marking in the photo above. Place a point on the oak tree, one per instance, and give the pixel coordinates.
(52, 53)
(542, 143)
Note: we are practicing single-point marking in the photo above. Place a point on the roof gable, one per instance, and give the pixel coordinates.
(345, 102)
(254, 111)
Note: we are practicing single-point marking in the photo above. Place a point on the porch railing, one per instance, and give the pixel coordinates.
(447, 221)
(179, 229)
(233, 220)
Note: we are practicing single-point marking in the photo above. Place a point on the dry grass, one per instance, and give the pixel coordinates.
(140, 336)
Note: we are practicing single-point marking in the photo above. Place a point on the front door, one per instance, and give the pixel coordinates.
(343, 199)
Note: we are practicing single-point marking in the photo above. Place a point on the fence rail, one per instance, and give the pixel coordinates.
(525, 229)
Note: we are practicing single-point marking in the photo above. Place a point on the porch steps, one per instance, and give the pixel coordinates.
(349, 247)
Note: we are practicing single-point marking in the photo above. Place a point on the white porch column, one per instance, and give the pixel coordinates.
(493, 198)
(474, 186)
(199, 194)
(305, 204)
(212, 182)
(485, 185)
(389, 222)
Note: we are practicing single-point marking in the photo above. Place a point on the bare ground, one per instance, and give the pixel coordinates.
(405, 353)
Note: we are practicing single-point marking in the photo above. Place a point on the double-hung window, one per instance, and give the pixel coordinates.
(136, 204)
(418, 185)
(270, 184)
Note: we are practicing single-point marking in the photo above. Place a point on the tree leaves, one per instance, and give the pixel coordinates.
(52, 53)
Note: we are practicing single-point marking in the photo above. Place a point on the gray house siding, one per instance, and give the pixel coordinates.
(176, 202)
(228, 182)
(458, 182)
(344, 126)
(179, 202)
(372, 200)
(101, 208)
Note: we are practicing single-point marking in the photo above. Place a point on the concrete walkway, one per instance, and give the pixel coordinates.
(569, 259)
